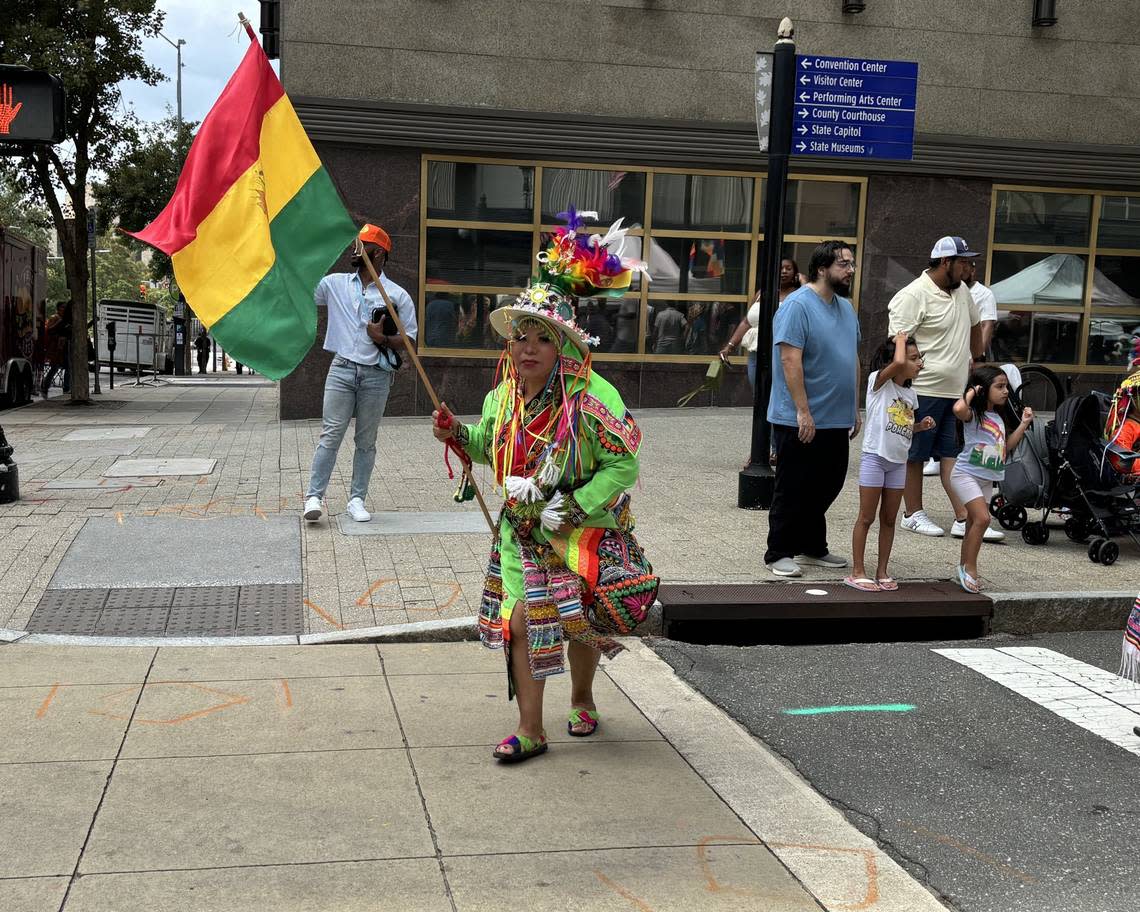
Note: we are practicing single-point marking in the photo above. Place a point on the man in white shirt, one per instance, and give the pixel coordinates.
(987, 305)
(365, 356)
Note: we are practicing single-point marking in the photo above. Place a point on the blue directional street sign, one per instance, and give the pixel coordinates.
(847, 107)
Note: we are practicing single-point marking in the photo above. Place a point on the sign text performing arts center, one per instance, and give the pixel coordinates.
(852, 108)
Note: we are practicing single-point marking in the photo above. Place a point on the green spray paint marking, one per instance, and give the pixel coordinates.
(877, 707)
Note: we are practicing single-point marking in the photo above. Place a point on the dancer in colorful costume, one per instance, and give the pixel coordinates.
(565, 564)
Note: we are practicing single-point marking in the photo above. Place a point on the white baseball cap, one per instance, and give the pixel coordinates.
(952, 246)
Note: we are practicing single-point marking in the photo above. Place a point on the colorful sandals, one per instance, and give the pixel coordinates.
(522, 748)
(582, 716)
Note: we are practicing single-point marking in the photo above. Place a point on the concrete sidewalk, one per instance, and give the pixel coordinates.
(84, 470)
(360, 777)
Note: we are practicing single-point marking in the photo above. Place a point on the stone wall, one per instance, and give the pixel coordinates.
(984, 70)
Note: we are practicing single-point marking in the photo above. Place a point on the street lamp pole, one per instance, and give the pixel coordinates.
(177, 45)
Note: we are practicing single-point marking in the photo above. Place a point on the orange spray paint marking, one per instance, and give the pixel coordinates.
(711, 883)
(363, 600)
(42, 711)
(638, 903)
(324, 614)
(231, 700)
(1006, 869)
(119, 518)
(286, 697)
(871, 897)
(260, 512)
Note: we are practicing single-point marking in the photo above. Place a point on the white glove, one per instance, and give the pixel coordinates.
(554, 514)
(522, 489)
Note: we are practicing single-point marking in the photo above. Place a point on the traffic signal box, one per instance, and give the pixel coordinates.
(32, 107)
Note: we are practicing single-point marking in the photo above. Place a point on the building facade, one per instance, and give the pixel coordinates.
(466, 128)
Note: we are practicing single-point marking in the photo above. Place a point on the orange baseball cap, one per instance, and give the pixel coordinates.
(374, 234)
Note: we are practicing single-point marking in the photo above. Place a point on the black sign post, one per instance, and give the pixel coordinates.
(757, 482)
(32, 108)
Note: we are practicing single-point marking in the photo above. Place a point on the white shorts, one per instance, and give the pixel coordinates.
(966, 487)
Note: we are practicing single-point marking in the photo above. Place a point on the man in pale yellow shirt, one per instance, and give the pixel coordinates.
(939, 311)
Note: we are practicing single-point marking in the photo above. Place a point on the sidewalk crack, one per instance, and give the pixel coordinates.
(419, 788)
(75, 875)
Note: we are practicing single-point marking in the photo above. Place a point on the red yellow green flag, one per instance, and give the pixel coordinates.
(254, 223)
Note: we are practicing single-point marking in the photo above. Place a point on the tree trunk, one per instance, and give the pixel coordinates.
(74, 248)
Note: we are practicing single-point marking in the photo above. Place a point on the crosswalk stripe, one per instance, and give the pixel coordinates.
(1097, 700)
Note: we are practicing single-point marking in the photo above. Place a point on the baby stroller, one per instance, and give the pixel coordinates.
(1078, 480)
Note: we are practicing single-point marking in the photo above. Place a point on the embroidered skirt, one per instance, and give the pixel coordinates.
(607, 593)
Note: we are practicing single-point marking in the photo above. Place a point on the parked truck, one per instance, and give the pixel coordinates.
(142, 334)
(23, 293)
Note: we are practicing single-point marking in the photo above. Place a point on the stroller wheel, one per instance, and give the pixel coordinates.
(996, 504)
(1094, 549)
(1076, 529)
(1109, 552)
(1012, 517)
(1035, 533)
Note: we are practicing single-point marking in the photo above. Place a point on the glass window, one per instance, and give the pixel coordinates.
(825, 208)
(1047, 338)
(1116, 282)
(470, 256)
(1056, 279)
(1042, 219)
(698, 265)
(800, 253)
(1111, 339)
(702, 202)
(470, 192)
(691, 327)
(611, 194)
(461, 320)
(1119, 222)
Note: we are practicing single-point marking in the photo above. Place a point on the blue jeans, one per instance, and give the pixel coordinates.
(357, 391)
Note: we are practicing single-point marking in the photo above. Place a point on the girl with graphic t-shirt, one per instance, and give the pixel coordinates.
(891, 404)
(990, 438)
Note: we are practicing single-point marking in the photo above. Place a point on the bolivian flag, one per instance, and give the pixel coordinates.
(254, 223)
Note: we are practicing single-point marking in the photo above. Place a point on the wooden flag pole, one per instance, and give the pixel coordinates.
(411, 350)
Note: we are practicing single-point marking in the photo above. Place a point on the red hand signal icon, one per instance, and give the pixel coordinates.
(7, 111)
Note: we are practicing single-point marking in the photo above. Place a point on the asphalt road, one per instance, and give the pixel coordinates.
(994, 802)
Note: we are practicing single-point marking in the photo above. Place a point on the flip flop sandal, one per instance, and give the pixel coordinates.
(861, 583)
(967, 582)
(582, 716)
(523, 748)
(887, 584)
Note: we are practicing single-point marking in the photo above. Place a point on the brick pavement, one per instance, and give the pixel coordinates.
(685, 504)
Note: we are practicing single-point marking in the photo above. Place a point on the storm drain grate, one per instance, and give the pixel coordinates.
(270, 596)
(132, 622)
(83, 599)
(139, 598)
(70, 620)
(185, 611)
(207, 596)
(202, 620)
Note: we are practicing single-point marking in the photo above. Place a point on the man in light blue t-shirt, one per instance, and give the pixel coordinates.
(813, 409)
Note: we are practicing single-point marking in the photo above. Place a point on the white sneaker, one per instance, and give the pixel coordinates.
(919, 522)
(313, 509)
(785, 566)
(958, 530)
(356, 510)
(931, 468)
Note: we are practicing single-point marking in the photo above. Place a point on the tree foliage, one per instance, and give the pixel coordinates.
(141, 180)
(93, 46)
(24, 216)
